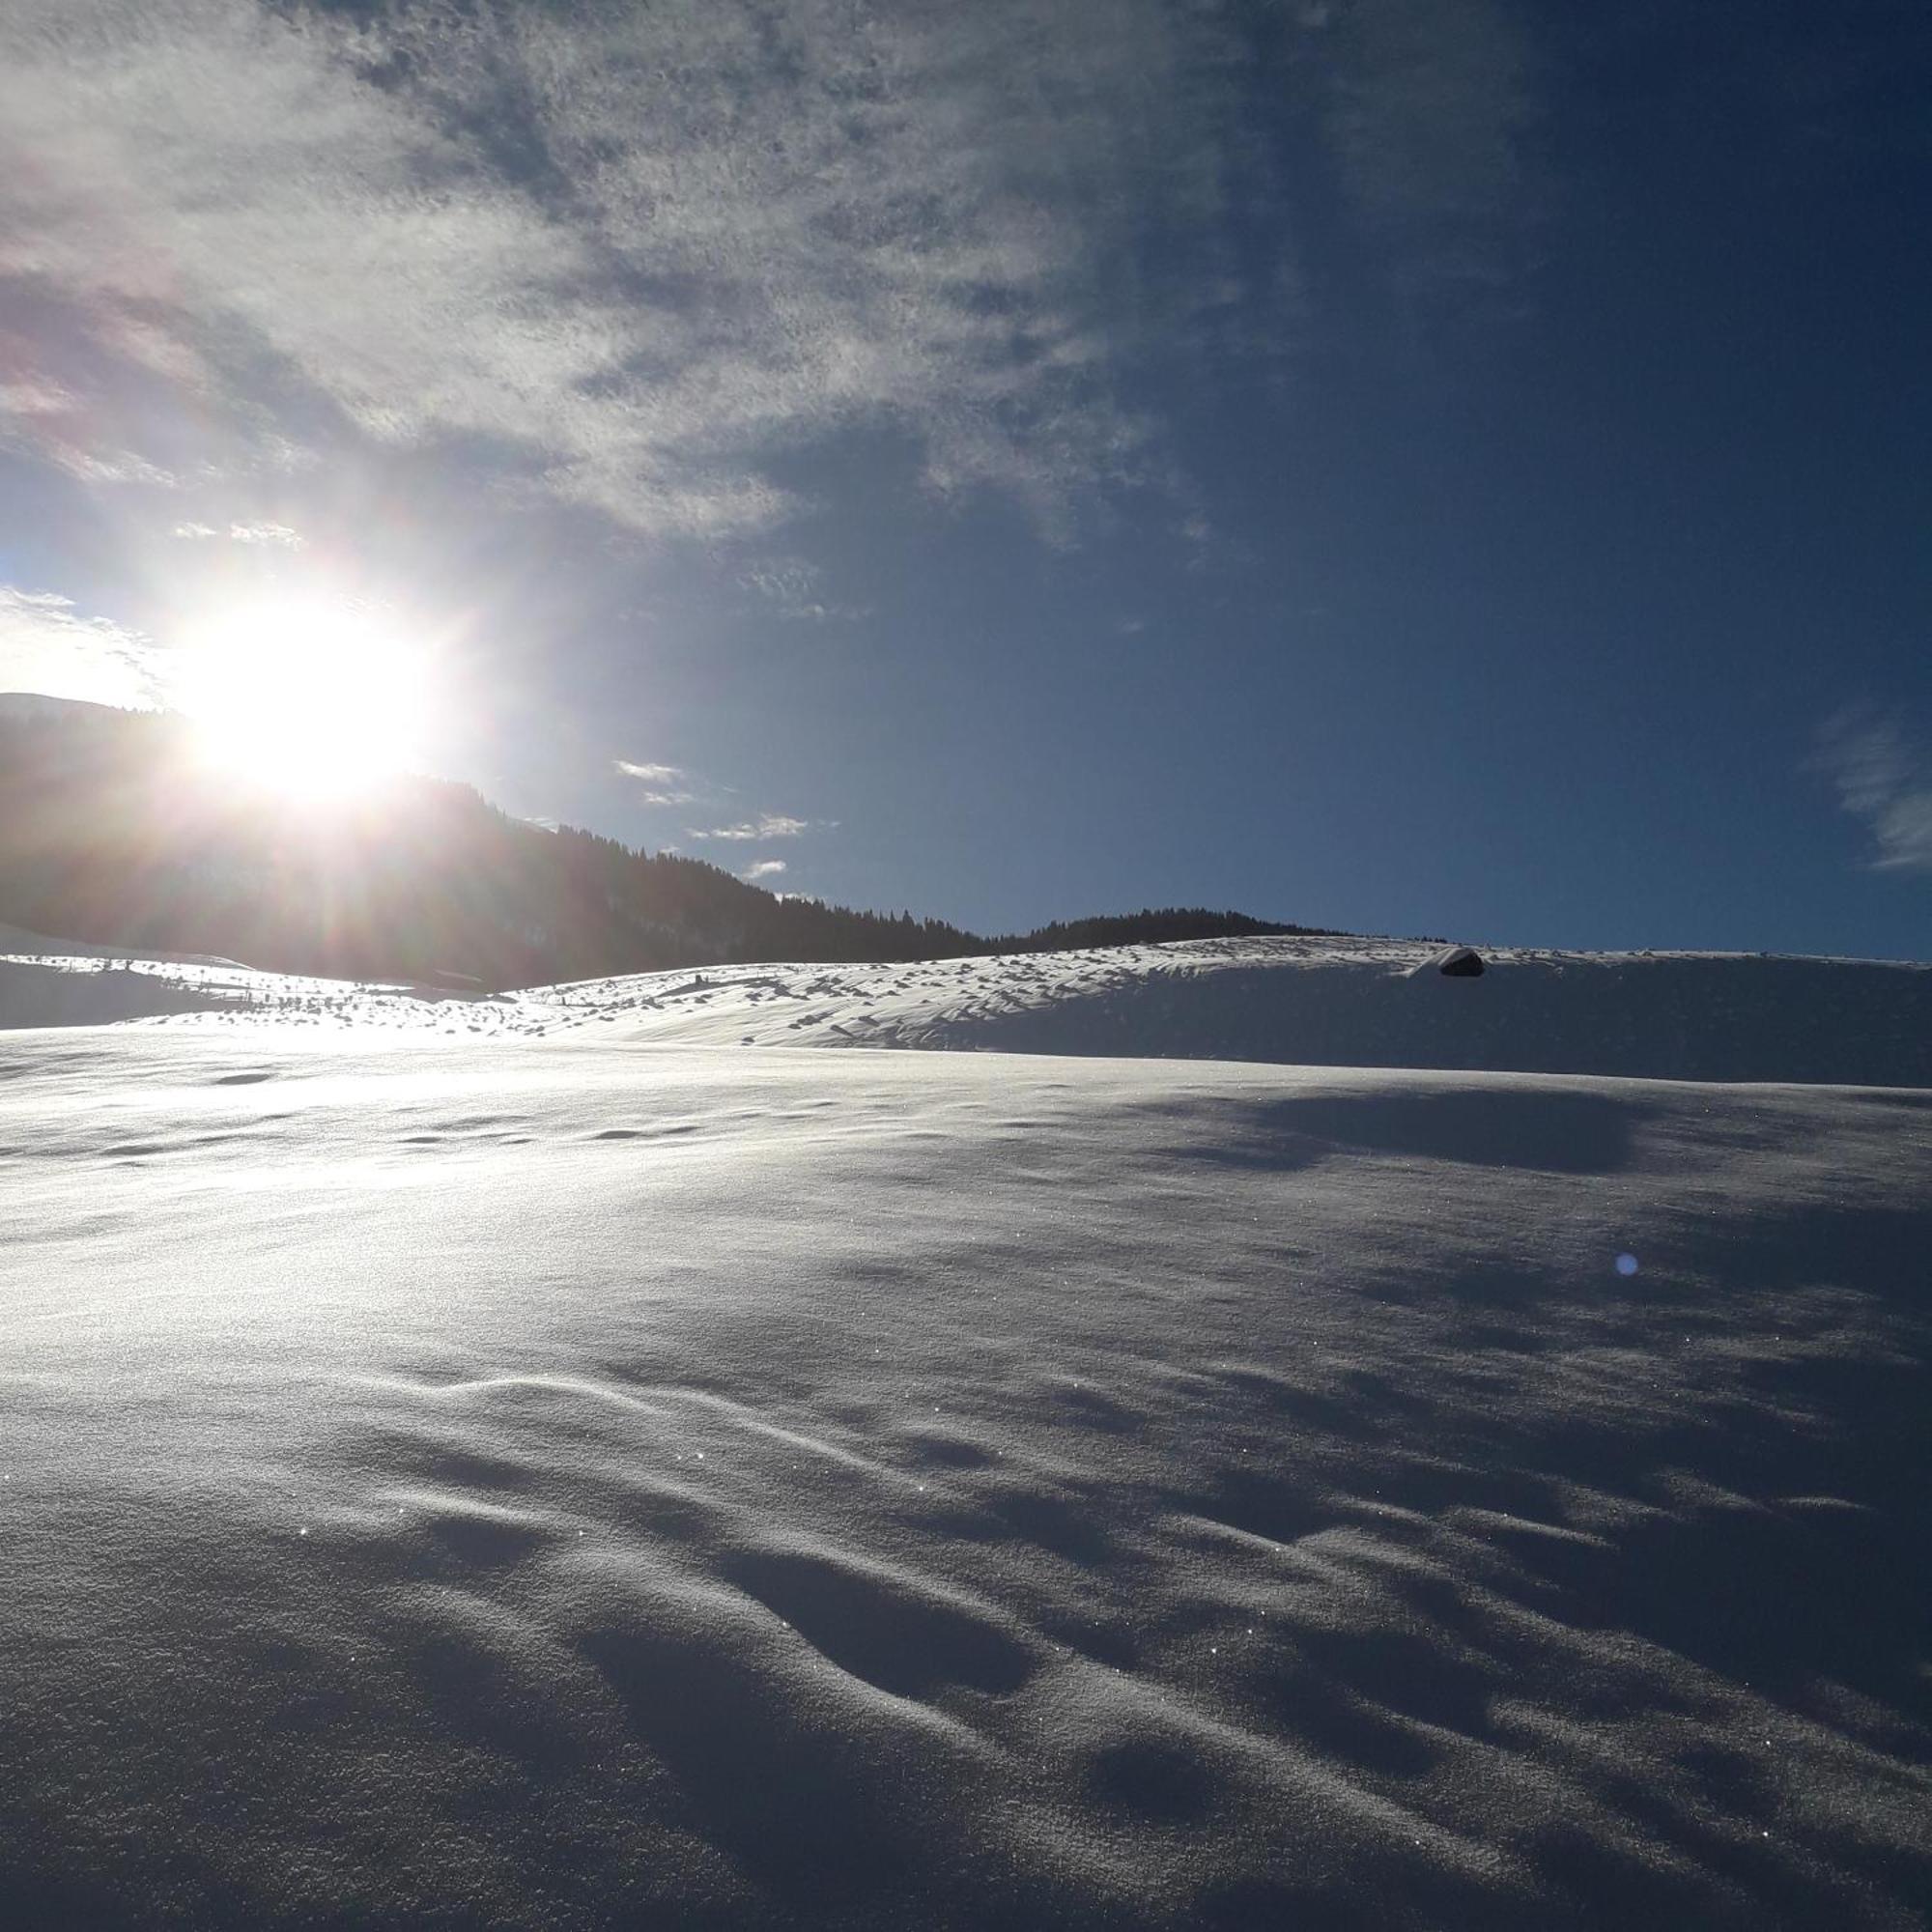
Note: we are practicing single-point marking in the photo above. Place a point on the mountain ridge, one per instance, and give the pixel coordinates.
(109, 835)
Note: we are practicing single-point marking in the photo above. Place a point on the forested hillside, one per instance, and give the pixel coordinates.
(109, 832)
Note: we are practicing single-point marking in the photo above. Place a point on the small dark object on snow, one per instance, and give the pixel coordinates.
(1460, 962)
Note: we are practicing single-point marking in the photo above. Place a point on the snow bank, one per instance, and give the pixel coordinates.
(16, 941)
(1324, 1003)
(105, 987)
(569, 1484)
(75, 992)
(1296, 1002)
(1682, 1016)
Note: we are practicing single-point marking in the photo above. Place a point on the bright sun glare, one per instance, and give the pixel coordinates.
(315, 699)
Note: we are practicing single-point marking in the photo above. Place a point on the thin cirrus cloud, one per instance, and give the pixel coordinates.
(768, 825)
(672, 784)
(272, 536)
(47, 646)
(664, 784)
(791, 588)
(630, 257)
(1885, 782)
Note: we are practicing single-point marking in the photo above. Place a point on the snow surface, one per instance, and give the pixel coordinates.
(572, 1474)
(1298, 1002)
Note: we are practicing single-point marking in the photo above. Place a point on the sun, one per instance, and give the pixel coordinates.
(311, 697)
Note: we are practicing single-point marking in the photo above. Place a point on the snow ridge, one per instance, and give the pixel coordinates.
(580, 1474)
(1297, 1002)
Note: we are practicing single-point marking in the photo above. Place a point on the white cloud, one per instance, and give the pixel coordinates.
(790, 586)
(753, 227)
(46, 646)
(771, 825)
(277, 536)
(664, 784)
(36, 397)
(106, 464)
(1883, 780)
(765, 868)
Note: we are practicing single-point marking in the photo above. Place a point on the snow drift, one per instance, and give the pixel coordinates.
(549, 1478)
(1329, 1003)
(1297, 1001)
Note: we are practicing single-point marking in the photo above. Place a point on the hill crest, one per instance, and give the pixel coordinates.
(109, 835)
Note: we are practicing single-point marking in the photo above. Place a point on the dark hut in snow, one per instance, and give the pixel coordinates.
(1456, 962)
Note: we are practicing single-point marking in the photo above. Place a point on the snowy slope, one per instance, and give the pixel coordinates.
(1326, 1002)
(562, 1460)
(59, 985)
(571, 1483)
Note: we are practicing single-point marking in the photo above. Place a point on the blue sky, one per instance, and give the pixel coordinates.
(1421, 466)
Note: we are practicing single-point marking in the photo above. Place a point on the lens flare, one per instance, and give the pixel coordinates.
(313, 699)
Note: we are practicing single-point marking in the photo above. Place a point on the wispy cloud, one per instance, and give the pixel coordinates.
(765, 868)
(673, 785)
(273, 536)
(1427, 107)
(1886, 781)
(649, 774)
(665, 784)
(791, 586)
(47, 646)
(770, 825)
(635, 257)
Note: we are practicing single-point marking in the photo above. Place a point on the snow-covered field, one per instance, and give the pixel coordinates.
(1297, 1002)
(544, 1461)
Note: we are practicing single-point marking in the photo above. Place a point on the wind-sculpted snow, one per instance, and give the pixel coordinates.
(1297, 1002)
(562, 1483)
(64, 989)
(1327, 1003)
